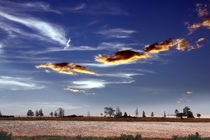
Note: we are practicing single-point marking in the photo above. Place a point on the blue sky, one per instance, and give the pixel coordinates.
(35, 33)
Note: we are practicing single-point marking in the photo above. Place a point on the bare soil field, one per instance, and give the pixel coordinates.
(104, 129)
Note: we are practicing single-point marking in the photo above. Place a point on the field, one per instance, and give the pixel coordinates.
(104, 128)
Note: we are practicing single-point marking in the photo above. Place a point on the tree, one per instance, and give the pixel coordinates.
(152, 114)
(36, 113)
(60, 112)
(118, 112)
(164, 115)
(190, 114)
(187, 112)
(143, 114)
(30, 113)
(125, 115)
(109, 111)
(198, 115)
(41, 113)
(137, 112)
(176, 112)
(56, 114)
(101, 114)
(51, 114)
(0, 114)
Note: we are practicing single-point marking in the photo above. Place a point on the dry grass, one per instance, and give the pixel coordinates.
(96, 118)
(104, 128)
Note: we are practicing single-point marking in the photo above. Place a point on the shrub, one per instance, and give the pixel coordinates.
(5, 136)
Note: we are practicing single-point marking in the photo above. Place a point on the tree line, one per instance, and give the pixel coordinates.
(39, 113)
(111, 112)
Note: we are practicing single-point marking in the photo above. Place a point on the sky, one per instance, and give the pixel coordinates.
(85, 55)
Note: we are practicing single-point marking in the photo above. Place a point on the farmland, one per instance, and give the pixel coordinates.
(104, 128)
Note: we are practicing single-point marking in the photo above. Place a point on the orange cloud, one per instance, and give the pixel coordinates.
(66, 68)
(124, 56)
(189, 92)
(158, 47)
(81, 69)
(74, 90)
(121, 56)
(205, 23)
(199, 40)
(204, 15)
(182, 45)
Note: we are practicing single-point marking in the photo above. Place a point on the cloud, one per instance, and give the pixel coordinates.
(45, 29)
(97, 8)
(67, 44)
(78, 7)
(79, 91)
(189, 92)
(18, 83)
(74, 90)
(121, 56)
(204, 15)
(1, 48)
(165, 46)
(13, 7)
(116, 33)
(89, 84)
(204, 23)
(198, 41)
(66, 68)
(128, 56)
(97, 83)
(122, 75)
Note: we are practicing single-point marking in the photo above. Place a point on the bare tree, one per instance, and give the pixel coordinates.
(41, 113)
(137, 112)
(164, 115)
(56, 114)
(143, 114)
(51, 114)
(109, 111)
(152, 114)
(118, 112)
(60, 112)
(36, 113)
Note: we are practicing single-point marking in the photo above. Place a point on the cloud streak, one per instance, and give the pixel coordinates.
(45, 29)
(66, 68)
(13, 7)
(18, 83)
(116, 33)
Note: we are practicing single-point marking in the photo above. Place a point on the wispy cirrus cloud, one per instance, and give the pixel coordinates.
(72, 47)
(45, 30)
(97, 8)
(12, 6)
(19, 83)
(1, 48)
(116, 33)
(97, 83)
